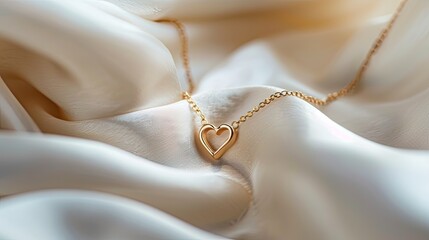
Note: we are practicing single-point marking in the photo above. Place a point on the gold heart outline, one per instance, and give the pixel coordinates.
(216, 154)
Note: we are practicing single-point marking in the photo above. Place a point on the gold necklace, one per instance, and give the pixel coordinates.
(232, 128)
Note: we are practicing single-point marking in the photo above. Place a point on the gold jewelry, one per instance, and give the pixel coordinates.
(235, 125)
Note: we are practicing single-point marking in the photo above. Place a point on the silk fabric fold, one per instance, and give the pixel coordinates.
(96, 142)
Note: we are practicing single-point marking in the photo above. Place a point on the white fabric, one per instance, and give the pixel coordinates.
(103, 74)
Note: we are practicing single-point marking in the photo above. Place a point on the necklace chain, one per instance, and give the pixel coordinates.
(331, 97)
(233, 128)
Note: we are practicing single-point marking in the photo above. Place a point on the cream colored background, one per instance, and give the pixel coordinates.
(106, 76)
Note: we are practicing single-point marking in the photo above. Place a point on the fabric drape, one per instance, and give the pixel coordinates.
(96, 142)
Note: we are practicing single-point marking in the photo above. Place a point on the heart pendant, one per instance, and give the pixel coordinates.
(217, 153)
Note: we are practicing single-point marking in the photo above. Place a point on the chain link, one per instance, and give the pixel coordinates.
(331, 97)
(184, 53)
(195, 107)
(365, 64)
(272, 98)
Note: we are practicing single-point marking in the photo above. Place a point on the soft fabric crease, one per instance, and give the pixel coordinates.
(96, 143)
